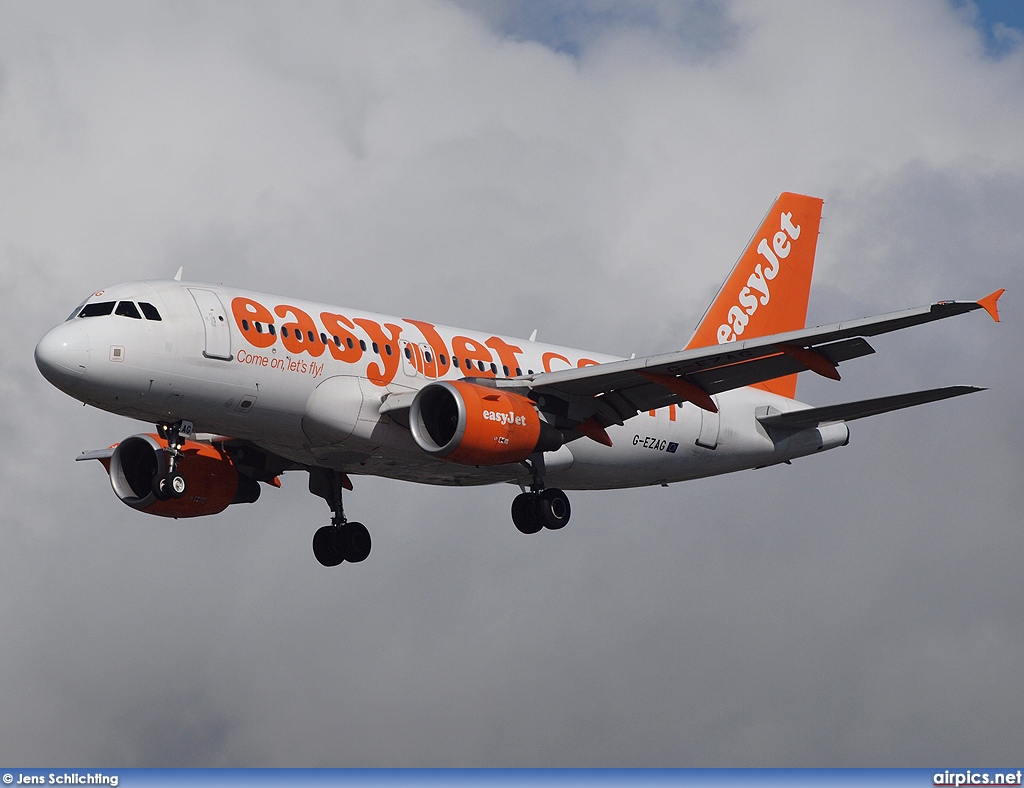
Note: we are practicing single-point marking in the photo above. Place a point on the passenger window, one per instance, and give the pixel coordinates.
(97, 310)
(149, 311)
(128, 309)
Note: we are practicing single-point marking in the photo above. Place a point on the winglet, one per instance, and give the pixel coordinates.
(990, 303)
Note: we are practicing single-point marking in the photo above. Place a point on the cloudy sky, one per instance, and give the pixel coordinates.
(590, 170)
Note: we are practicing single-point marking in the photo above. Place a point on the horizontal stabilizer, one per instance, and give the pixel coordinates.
(848, 411)
(96, 454)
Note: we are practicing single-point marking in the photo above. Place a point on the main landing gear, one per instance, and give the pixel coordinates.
(540, 507)
(341, 540)
(172, 484)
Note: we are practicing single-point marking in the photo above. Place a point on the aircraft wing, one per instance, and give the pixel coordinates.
(611, 393)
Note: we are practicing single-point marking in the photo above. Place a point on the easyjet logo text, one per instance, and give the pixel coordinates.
(380, 345)
(505, 418)
(757, 292)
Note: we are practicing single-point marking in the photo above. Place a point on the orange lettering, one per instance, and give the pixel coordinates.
(587, 362)
(387, 350)
(299, 336)
(247, 314)
(549, 357)
(436, 344)
(506, 354)
(469, 350)
(349, 350)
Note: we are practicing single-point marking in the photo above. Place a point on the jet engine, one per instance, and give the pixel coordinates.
(477, 425)
(214, 482)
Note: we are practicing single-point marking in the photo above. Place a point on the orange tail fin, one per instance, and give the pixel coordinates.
(767, 291)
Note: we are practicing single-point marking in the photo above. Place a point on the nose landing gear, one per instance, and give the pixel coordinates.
(341, 540)
(540, 507)
(172, 484)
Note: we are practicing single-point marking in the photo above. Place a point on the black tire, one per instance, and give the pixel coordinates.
(175, 485)
(526, 513)
(555, 510)
(326, 546)
(354, 542)
(158, 486)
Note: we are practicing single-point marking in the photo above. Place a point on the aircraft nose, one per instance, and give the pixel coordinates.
(62, 354)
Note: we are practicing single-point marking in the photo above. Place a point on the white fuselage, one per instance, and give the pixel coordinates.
(230, 361)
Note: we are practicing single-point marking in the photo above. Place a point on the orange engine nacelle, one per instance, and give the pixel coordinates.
(214, 482)
(477, 425)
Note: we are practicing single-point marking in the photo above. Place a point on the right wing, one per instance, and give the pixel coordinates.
(611, 393)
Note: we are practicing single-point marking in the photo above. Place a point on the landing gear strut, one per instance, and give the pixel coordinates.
(172, 484)
(341, 540)
(540, 508)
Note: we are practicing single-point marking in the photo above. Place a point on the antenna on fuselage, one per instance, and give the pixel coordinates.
(533, 336)
(177, 276)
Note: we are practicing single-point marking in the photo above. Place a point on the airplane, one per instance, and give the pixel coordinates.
(243, 387)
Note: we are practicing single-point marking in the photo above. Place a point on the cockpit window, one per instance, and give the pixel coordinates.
(149, 311)
(98, 309)
(78, 309)
(128, 309)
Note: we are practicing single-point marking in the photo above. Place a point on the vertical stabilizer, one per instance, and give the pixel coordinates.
(768, 290)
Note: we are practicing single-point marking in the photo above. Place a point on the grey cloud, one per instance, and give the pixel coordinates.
(858, 608)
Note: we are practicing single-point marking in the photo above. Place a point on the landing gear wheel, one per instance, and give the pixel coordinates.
(554, 509)
(354, 542)
(172, 485)
(327, 546)
(526, 513)
(160, 489)
(175, 486)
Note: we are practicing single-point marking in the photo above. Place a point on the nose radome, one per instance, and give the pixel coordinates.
(63, 353)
